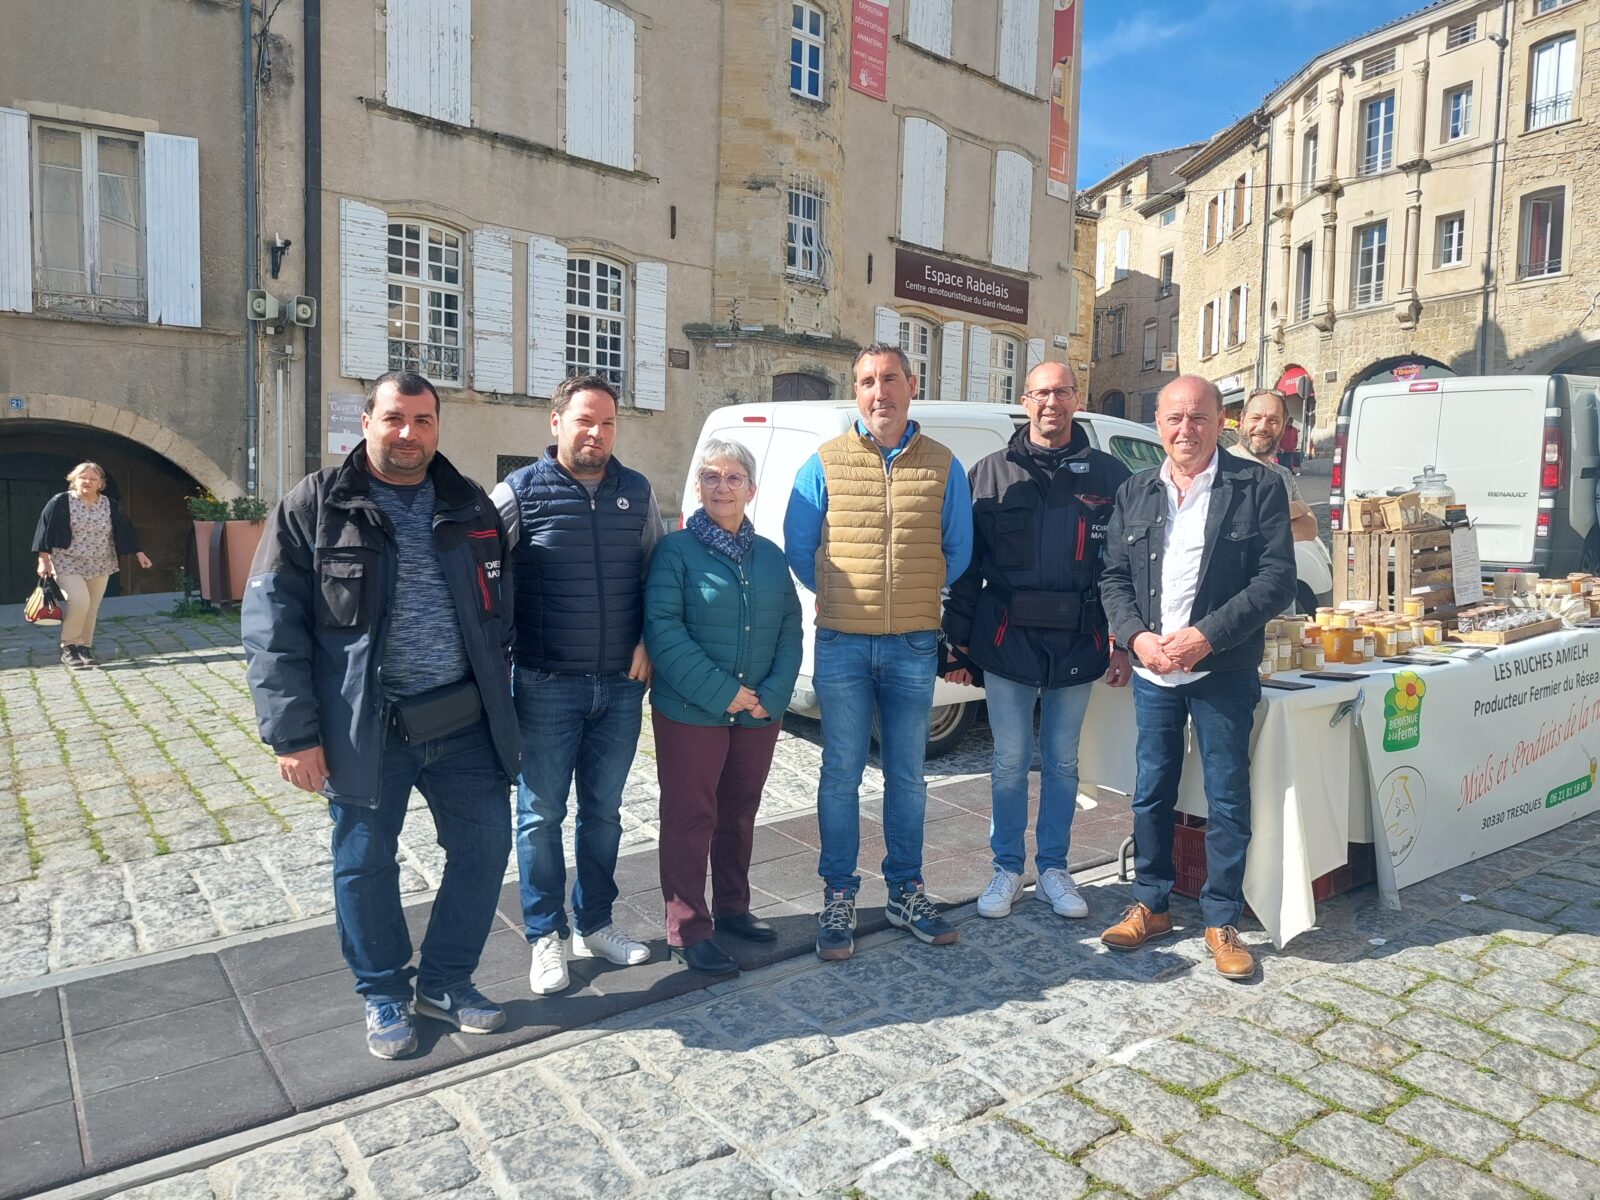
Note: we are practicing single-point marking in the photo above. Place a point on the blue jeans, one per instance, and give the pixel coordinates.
(1222, 707)
(461, 780)
(583, 725)
(1011, 721)
(856, 677)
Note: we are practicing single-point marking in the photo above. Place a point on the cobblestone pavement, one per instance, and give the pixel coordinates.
(1446, 1051)
(140, 812)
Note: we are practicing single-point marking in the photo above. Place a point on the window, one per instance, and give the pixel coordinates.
(599, 100)
(1149, 359)
(1112, 404)
(1302, 281)
(1136, 453)
(1094, 344)
(1005, 360)
(88, 221)
(1372, 245)
(1208, 329)
(1118, 328)
(1236, 316)
(425, 300)
(1147, 414)
(1213, 229)
(1543, 215)
(1308, 162)
(1378, 64)
(1168, 216)
(1550, 90)
(1377, 138)
(803, 241)
(1241, 203)
(1172, 332)
(805, 51)
(1461, 35)
(916, 339)
(1450, 240)
(1127, 194)
(928, 25)
(1458, 112)
(1121, 267)
(1164, 288)
(597, 331)
(1309, 102)
(1544, 6)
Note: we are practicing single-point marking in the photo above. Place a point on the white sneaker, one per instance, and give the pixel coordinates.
(612, 945)
(997, 897)
(1058, 891)
(548, 974)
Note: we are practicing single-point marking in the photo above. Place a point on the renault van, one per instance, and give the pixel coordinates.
(1521, 452)
(782, 436)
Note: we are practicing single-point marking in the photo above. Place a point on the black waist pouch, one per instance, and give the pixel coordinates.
(1047, 610)
(439, 713)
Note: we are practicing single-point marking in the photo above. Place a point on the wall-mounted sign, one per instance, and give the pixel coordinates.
(343, 425)
(946, 284)
(16, 404)
(869, 48)
(678, 358)
(1063, 95)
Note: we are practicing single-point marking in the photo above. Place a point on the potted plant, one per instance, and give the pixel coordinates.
(246, 525)
(208, 514)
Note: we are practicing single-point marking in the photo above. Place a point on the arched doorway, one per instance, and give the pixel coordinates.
(1585, 361)
(799, 386)
(35, 457)
(1114, 404)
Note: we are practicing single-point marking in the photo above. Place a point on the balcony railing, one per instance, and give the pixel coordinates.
(1368, 294)
(1538, 267)
(1163, 289)
(1302, 308)
(1549, 111)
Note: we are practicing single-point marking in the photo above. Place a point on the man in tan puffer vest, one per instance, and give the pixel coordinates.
(879, 520)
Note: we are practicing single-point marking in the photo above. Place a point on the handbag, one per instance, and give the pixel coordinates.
(438, 713)
(44, 605)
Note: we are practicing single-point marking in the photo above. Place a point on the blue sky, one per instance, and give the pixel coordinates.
(1159, 73)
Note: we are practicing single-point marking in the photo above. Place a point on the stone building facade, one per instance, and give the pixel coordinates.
(1404, 218)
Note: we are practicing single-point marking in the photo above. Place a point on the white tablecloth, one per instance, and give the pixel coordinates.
(1308, 790)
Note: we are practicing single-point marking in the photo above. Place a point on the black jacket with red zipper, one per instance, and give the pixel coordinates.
(1028, 607)
(315, 618)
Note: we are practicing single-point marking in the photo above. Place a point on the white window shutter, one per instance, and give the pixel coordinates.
(1035, 353)
(363, 290)
(978, 341)
(928, 25)
(1013, 210)
(1019, 43)
(599, 81)
(650, 335)
(547, 315)
(1249, 194)
(172, 229)
(1216, 323)
(1121, 260)
(922, 183)
(952, 339)
(428, 56)
(886, 325)
(16, 234)
(1244, 311)
(491, 311)
(1225, 204)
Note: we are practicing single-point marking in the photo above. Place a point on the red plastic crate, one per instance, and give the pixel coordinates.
(1189, 863)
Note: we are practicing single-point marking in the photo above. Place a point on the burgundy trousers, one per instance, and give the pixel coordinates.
(711, 778)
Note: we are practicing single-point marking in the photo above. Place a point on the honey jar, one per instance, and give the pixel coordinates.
(1333, 645)
(1432, 633)
(1411, 607)
(1324, 617)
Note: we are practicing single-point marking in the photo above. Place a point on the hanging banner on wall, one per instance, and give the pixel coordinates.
(1063, 97)
(869, 48)
(343, 423)
(1478, 756)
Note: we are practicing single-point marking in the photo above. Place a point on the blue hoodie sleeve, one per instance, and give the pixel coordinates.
(955, 522)
(802, 523)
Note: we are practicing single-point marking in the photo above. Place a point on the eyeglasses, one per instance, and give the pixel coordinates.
(1061, 395)
(711, 481)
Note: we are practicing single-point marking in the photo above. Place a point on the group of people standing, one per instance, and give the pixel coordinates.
(403, 629)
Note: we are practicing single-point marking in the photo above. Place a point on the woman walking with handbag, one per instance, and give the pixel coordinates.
(80, 535)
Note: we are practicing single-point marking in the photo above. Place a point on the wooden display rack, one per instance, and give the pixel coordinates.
(1412, 564)
(1504, 637)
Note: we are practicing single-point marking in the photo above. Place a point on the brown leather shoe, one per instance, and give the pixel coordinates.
(1138, 926)
(1228, 952)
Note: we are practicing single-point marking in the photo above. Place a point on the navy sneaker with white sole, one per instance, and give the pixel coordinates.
(910, 909)
(463, 1006)
(390, 1033)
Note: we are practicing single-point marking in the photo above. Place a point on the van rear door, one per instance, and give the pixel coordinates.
(1491, 445)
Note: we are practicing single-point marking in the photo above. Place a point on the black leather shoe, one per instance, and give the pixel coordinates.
(706, 957)
(747, 927)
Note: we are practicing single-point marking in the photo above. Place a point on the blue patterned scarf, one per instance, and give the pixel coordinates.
(734, 545)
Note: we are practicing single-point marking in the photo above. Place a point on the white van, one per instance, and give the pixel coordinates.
(1521, 453)
(782, 436)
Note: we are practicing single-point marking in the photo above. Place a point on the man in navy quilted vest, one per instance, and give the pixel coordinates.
(582, 527)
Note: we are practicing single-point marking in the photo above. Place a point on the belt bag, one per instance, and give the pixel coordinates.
(1048, 610)
(439, 713)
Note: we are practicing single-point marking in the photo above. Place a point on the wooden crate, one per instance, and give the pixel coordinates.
(1389, 567)
(1495, 637)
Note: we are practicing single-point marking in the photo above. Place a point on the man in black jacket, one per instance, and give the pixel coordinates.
(377, 624)
(1198, 559)
(1026, 613)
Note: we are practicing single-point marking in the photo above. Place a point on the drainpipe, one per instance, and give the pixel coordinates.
(1489, 278)
(248, 83)
(1264, 122)
(311, 139)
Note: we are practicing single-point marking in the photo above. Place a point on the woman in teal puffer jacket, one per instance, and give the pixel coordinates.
(722, 626)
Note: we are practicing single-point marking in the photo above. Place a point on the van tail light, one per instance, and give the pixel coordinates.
(1541, 527)
(1336, 480)
(1336, 516)
(1341, 441)
(1550, 470)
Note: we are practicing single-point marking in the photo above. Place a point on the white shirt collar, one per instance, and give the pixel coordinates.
(1203, 480)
